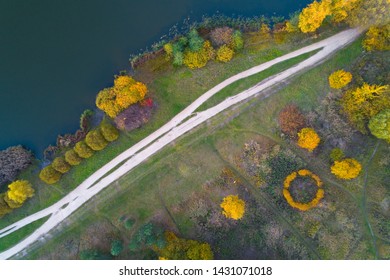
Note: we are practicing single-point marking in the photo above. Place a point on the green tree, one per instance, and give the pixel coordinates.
(83, 150)
(109, 132)
(380, 125)
(116, 247)
(72, 158)
(195, 42)
(49, 175)
(95, 140)
(337, 154)
(60, 165)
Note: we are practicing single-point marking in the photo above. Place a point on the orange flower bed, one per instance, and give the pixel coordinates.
(302, 206)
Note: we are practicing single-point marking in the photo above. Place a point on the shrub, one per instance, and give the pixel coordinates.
(83, 150)
(49, 175)
(291, 120)
(60, 165)
(224, 54)
(221, 36)
(233, 207)
(12, 161)
(95, 140)
(109, 132)
(129, 223)
(72, 158)
(18, 192)
(133, 117)
(336, 154)
(346, 169)
(308, 139)
(339, 79)
(380, 125)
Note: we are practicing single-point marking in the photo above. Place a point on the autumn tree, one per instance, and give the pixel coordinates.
(369, 12)
(125, 92)
(377, 38)
(198, 59)
(346, 169)
(60, 165)
(380, 125)
(4, 207)
(95, 140)
(12, 161)
(291, 120)
(233, 207)
(221, 36)
(224, 54)
(83, 150)
(106, 101)
(311, 17)
(49, 175)
(362, 103)
(72, 158)
(339, 79)
(18, 192)
(308, 139)
(184, 249)
(341, 9)
(109, 132)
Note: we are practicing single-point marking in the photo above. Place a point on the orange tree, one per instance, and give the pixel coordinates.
(233, 207)
(308, 139)
(339, 79)
(296, 204)
(291, 120)
(346, 169)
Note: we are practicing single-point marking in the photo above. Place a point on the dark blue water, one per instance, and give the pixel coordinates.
(55, 55)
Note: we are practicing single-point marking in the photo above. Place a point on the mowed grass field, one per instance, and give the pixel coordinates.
(349, 224)
(172, 89)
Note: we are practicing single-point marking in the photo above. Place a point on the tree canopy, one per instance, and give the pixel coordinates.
(18, 192)
(233, 207)
(380, 125)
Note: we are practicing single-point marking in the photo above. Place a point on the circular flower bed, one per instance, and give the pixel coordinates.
(287, 195)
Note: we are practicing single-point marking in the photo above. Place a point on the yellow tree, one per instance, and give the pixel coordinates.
(362, 103)
(341, 9)
(340, 79)
(49, 175)
(346, 169)
(369, 12)
(106, 101)
(224, 54)
(377, 38)
(311, 17)
(308, 139)
(184, 249)
(233, 207)
(18, 192)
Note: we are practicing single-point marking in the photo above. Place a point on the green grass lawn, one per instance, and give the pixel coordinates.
(167, 185)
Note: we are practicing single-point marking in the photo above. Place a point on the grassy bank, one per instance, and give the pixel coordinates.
(167, 186)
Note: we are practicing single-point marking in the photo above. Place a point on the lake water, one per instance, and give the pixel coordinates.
(55, 55)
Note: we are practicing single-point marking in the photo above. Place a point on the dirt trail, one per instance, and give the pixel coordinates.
(168, 133)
